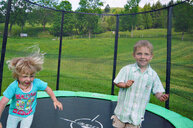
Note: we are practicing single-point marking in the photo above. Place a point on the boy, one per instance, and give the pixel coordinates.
(136, 82)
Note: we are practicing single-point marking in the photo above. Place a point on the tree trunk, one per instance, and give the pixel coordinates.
(44, 27)
(132, 31)
(89, 34)
(10, 28)
(182, 35)
(22, 28)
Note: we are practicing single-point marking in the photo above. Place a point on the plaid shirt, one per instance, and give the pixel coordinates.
(132, 101)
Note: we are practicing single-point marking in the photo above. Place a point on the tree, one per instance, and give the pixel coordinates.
(41, 15)
(111, 22)
(157, 16)
(182, 15)
(88, 23)
(107, 8)
(18, 13)
(147, 19)
(68, 24)
(2, 11)
(129, 22)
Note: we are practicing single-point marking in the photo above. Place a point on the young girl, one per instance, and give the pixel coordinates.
(23, 91)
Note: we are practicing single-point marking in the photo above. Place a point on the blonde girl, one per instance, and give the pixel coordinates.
(23, 90)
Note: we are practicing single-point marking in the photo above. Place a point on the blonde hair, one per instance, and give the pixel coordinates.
(26, 65)
(143, 43)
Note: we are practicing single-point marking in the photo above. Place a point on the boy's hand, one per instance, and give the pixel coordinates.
(129, 83)
(57, 104)
(162, 97)
(1, 125)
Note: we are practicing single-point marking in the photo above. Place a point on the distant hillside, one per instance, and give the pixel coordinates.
(114, 10)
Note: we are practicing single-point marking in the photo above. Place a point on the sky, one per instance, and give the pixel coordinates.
(118, 3)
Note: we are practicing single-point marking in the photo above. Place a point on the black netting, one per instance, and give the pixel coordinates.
(88, 42)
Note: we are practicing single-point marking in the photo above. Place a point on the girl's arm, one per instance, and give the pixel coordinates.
(162, 97)
(3, 103)
(54, 99)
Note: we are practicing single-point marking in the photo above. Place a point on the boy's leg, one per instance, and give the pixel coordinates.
(26, 122)
(12, 121)
(117, 123)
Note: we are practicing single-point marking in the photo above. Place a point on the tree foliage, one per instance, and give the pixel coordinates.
(129, 22)
(68, 23)
(157, 16)
(76, 23)
(2, 11)
(18, 12)
(183, 17)
(107, 9)
(88, 23)
(41, 15)
(147, 19)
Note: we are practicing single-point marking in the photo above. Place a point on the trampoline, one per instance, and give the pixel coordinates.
(93, 110)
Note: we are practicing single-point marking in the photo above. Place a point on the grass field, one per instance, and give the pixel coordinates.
(87, 65)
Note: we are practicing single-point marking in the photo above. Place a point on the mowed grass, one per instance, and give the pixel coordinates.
(87, 64)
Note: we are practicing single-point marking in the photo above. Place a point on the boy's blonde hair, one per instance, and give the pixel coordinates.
(26, 65)
(143, 43)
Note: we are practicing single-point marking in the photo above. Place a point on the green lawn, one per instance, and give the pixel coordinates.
(87, 65)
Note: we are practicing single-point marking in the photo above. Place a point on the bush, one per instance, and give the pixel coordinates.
(31, 31)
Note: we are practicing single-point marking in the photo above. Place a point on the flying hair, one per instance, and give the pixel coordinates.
(26, 65)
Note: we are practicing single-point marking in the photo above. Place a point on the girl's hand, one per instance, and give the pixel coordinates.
(129, 83)
(57, 104)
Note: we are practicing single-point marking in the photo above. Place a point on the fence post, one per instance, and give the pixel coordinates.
(3, 49)
(60, 50)
(168, 68)
(115, 53)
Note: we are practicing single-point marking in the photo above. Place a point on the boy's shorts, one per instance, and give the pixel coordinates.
(119, 124)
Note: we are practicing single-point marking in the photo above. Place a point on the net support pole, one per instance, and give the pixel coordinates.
(115, 53)
(3, 48)
(60, 51)
(168, 68)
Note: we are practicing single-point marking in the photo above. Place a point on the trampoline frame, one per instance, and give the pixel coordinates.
(174, 118)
